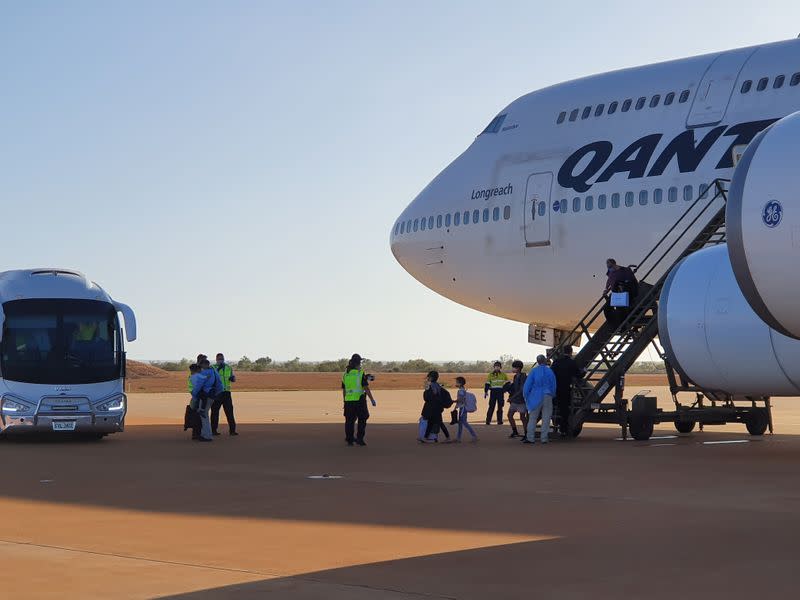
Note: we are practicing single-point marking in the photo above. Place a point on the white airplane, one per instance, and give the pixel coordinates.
(520, 224)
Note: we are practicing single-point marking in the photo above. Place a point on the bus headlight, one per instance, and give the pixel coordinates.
(11, 405)
(115, 404)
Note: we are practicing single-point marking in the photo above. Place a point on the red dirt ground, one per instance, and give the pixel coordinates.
(145, 378)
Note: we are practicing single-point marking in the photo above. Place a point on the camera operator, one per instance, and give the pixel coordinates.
(355, 390)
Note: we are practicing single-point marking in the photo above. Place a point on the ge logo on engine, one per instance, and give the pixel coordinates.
(772, 214)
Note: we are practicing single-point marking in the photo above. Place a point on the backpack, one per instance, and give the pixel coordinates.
(447, 399)
(470, 402)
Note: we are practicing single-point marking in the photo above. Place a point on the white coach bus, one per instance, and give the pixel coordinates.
(62, 356)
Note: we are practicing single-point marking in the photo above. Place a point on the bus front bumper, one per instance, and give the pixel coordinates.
(64, 423)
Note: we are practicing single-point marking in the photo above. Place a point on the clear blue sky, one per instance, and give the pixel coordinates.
(208, 162)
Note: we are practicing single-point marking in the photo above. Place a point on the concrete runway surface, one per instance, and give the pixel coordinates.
(150, 514)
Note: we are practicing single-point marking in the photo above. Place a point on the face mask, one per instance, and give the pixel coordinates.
(220, 362)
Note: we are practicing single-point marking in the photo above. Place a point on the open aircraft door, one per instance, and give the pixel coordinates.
(537, 210)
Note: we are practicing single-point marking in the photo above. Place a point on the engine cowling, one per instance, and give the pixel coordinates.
(712, 335)
(763, 223)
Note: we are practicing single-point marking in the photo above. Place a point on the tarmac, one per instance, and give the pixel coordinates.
(149, 514)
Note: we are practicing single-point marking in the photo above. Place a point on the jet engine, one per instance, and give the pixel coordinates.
(763, 225)
(712, 335)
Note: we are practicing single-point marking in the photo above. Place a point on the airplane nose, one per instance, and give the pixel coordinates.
(402, 237)
(416, 236)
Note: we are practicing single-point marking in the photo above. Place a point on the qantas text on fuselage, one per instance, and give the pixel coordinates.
(635, 159)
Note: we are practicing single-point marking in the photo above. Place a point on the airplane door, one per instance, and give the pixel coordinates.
(715, 89)
(537, 210)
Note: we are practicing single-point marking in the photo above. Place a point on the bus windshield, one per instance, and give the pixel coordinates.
(60, 341)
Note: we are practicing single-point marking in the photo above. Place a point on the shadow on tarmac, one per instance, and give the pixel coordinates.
(626, 515)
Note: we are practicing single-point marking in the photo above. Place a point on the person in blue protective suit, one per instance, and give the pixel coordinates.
(539, 390)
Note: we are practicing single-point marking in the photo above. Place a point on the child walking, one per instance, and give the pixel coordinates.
(465, 404)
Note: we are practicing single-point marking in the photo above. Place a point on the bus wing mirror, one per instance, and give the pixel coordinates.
(130, 320)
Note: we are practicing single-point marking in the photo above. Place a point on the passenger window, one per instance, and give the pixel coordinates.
(576, 204)
(507, 212)
(457, 219)
(422, 224)
(683, 97)
(439, 222)
(430, 222)
(561, 116)
(542, 208)
(615, 200)
(795, 79)
(601, 202)
(573, 115)
(687, 193)
(669, 98)
(397, 229)
(447, 220)
(762, 84)
(778, 83)
(476, 216)
(643, 198)
(408, 226)
(672, 194)
(612, 108)
(589, 203)
(655, 100)
(626, 106)
(416, 225)
(629, 199)
(496, 213)
(599, 110)
(564, 206)
(466, 217)
(746, 86)
(485, 215)
(702, 191)
(657, 196)
(640, 103)
(586, 112)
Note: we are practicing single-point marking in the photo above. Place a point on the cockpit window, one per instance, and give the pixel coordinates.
(495, 124)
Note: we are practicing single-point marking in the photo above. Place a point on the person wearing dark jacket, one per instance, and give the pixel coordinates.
(435, 400)
(516, 400)
(620, 279)
(566, 371)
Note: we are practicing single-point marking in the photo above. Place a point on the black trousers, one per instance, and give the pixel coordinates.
(355, 411)
(563, 401)
(435, 425)
(496, 398)
(224, 401)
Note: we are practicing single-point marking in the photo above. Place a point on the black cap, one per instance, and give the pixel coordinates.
(356, 358)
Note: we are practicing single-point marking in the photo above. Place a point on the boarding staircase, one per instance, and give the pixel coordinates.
(610, 348)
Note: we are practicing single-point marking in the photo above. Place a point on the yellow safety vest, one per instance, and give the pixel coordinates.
(225, 374)
(353, 390)
(85, 332)
(497, 381)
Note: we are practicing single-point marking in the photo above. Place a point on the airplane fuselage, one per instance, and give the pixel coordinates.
(599, 167)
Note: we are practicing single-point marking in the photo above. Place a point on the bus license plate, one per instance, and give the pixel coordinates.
(63, 425)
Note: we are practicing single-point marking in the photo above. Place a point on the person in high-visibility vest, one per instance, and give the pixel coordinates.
(355, 391)
(223, 399)
(495, 389)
